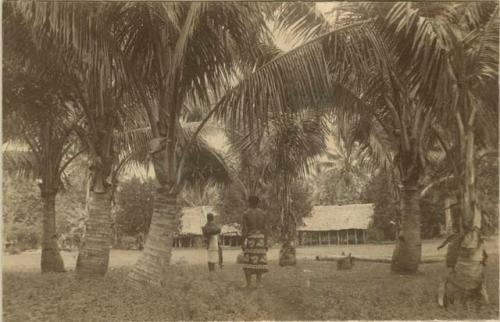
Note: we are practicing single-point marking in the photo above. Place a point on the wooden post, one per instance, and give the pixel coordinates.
(338, 238)
(329, 238)
(364, 236)
(356, 236)
(319, 237)
(347, 232)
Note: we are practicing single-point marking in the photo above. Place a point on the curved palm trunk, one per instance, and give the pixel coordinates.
(468, 253)
(51, 257)
(93, 257)
(408, 251)
(155, 257)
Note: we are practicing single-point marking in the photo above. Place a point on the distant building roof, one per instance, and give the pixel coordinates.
(194, 218)
(324, 218)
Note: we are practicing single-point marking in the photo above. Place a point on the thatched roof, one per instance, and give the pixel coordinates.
(324, 218)
(194, 218)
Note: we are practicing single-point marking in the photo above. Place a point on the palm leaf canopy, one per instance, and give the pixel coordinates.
(35, 108)
(222, 37)
(306, 76)
(303, 19)
(288, 148)
(203, 163)
(403, 52)
(85, 53)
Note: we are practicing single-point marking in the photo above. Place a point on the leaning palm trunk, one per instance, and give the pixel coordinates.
(157, 251)
(155, 257)
(467, 275)
(408, 251)
(51, 257)
(93, 257)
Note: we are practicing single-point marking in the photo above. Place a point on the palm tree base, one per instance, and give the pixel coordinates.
(93, 257)
(151, 266)
(287, 256)
(406, 258)
(52, 261)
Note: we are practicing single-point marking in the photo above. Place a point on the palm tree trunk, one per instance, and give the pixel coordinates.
(408, 251)
(471, 212)
(93, 257)
(287, 255)
(51, 258)
(155, 257)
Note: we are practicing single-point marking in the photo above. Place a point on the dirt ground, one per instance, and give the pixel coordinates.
(30, 261)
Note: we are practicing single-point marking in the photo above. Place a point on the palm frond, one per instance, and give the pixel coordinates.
(302, 19)
(299, 78)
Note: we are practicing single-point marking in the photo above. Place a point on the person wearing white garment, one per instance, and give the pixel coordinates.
(211, 233)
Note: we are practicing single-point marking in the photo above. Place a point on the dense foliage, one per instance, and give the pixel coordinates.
(387, 215)
(22, 213)
(134, 206)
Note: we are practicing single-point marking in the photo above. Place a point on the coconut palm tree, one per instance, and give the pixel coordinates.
(52, 148)
(392, 76)
(296, 144)
(80, 36)
(279, 157)
(35, 113)
(178, 51)
(160, 45)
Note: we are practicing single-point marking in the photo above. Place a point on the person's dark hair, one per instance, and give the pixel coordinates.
(210, 216)
(253, 201)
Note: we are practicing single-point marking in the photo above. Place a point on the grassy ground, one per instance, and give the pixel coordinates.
(310, 291)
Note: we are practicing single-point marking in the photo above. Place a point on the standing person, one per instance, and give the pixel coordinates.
(254, 245)
(211, 233)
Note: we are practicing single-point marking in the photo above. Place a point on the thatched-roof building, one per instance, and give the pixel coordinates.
(193, 219)
(327, 225)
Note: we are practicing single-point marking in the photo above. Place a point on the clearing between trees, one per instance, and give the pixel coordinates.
(311, 291)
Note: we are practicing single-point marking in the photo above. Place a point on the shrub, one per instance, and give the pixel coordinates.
(13, 250)
(26, 237)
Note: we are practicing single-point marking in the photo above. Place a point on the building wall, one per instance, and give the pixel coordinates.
(332, 237)
(231, 240)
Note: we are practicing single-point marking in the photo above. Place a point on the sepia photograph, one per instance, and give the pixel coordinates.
(250, 161)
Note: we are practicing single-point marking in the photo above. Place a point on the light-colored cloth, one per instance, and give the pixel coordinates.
(213, 249)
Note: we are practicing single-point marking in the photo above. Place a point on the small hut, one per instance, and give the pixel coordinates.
(329, 225)
(192, 221)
